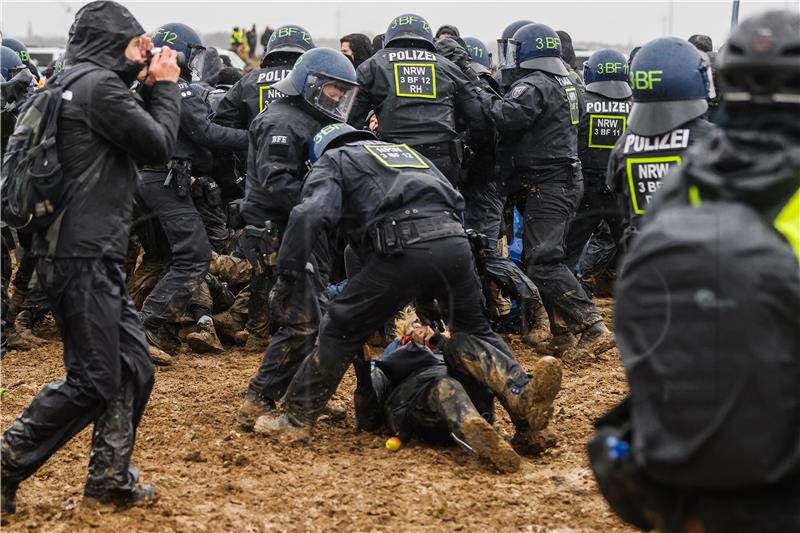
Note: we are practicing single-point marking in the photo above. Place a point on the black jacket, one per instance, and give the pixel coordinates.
(251, 95)
(104, 132)
(417, 96)
(638, 165)
(537, 120)
(198, 135)
(353, 188)
(601, 126)
(276, 160)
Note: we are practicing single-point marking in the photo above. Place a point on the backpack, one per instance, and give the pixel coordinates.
(33, 189)
(708, 327)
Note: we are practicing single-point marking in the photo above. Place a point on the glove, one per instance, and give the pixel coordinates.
(278, 300)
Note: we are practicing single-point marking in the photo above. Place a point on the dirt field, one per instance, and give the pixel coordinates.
(212, 477)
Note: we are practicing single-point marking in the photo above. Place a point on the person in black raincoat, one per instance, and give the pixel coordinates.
(103, 133)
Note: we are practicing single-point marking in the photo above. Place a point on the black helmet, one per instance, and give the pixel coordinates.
(184, 40)
(503, 61)
(412, 28)
(761, 61)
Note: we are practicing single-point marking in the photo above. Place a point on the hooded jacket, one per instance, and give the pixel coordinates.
(103, 131)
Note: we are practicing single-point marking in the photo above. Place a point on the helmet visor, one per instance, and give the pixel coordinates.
(332, 96)
(505, 56)
(195, 61)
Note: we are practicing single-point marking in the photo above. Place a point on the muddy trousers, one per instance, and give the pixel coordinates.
(294, 339)
(548, 209)
(189, 247)
(597, 205)
(442, 269)
(108, 382)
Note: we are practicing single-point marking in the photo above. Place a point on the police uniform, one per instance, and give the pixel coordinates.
(276, 162)
(403, 217)
(538, 122)
(600, 128)
(251, 95)
(164, 193)
(638, 165)
(417, 96)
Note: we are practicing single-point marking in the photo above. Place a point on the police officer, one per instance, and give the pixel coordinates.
(741, 338)
(418, 95)
(256, 90)
(404, 221)
(103, 133)
(320, 89)
(164, 193)
(505, 65)
(607, 106)
(671, 82)
(538, 122)
(22, 51)
(484, 197)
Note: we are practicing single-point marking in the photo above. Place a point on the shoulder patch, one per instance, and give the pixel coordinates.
(279, 139)
(517, 91)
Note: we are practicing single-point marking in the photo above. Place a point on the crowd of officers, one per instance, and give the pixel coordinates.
(298, 208)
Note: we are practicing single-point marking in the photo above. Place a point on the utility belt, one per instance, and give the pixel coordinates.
(178, 176)
(569, 173)
(453, 149)
(261, 245)
(390, 237)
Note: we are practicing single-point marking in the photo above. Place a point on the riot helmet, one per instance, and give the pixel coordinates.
(326, 79)
(537, 47)
(606, 73)
(671, 82)
(411, 28)
(333, 136)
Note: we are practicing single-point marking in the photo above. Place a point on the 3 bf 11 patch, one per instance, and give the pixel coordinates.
(605, 130)
(645, 175)
(415, 80)
(396, 155)
(574, 107)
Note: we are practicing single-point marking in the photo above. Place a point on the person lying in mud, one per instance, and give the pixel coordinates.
(410, 392)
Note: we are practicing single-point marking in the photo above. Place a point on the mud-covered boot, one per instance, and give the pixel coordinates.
(254, 406)
(534, 324)
(558, 345)
(163, 339)
(528, 400)
(593, 342)
(240, 338)
(489, 445)
(160, 357)
(8, 495)
(141, 493)
(530, 442)
(205, 340)
(226, 325)
(283, 427)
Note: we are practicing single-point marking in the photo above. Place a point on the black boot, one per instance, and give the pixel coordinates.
(140, 493)
(8, 494)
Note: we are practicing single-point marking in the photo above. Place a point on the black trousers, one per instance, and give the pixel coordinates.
(548, 209)
(442, 269)
(295, 336)
(189, 247)
(108, 382)
(597, 205)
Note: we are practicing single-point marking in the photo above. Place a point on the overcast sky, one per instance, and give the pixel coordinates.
(614, 22)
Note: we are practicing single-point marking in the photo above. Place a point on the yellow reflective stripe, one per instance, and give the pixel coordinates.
(694, 196)
(788, 223)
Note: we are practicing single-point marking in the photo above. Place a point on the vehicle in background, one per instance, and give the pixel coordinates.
(43, 56)
(234, 60)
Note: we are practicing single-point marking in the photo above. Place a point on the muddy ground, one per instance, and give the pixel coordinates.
(212, 477)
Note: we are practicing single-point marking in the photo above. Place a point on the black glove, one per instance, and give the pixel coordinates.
(278, 300)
